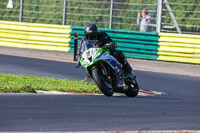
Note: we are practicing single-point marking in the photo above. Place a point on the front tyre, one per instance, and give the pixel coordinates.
(133, 89)
(101, 82)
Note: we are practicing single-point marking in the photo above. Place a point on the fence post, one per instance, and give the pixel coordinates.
(159, 16)
(75, 45)
(64, 12)
(111, 13)
(21, 11)
(172, 16)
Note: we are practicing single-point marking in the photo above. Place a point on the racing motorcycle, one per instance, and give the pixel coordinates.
(106, 71)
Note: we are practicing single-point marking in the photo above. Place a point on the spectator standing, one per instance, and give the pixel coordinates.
(145, 22)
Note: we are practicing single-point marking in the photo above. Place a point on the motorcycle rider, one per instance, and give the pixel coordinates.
(91, 32)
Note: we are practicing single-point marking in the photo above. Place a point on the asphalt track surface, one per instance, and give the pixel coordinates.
(178, 109)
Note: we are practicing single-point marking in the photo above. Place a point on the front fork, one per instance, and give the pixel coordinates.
(97, 64)
(114, 76)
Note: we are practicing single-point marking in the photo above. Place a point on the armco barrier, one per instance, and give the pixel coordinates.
(163, 46)
(35, 36)
(134, 44)
(179, 48)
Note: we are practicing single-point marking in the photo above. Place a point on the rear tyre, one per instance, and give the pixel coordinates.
(133, 89)
(101, 82)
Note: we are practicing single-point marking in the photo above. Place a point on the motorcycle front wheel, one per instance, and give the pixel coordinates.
(103, 84)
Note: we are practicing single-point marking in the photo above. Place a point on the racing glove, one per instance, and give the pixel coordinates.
(110, 45)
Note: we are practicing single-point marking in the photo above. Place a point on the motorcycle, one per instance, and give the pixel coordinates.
(106, 71)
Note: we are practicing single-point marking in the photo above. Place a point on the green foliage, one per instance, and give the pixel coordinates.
(9, 14)
(187, 14)
(80, 13)
(43, 11)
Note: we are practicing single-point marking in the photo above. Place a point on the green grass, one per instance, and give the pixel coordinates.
(29, 84)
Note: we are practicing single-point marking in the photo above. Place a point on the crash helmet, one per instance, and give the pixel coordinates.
(91, 32)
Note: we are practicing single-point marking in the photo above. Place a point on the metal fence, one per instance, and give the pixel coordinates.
(179, 16)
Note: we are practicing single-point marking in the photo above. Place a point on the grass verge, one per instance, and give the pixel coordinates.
(29, 84)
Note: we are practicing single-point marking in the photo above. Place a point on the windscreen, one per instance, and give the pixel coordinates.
(88, 44)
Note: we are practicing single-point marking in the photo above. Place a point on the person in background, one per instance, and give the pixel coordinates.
(145, 22)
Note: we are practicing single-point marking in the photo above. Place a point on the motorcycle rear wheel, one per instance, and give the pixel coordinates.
(101, 82)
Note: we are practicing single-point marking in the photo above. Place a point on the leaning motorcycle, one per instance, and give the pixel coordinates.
(106, 71)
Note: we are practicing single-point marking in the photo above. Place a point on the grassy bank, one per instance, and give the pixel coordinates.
(29, 84)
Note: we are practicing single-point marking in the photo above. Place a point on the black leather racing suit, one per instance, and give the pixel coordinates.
(103, 40)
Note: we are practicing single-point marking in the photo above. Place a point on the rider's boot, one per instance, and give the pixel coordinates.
(78, 64)
(128, 71)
